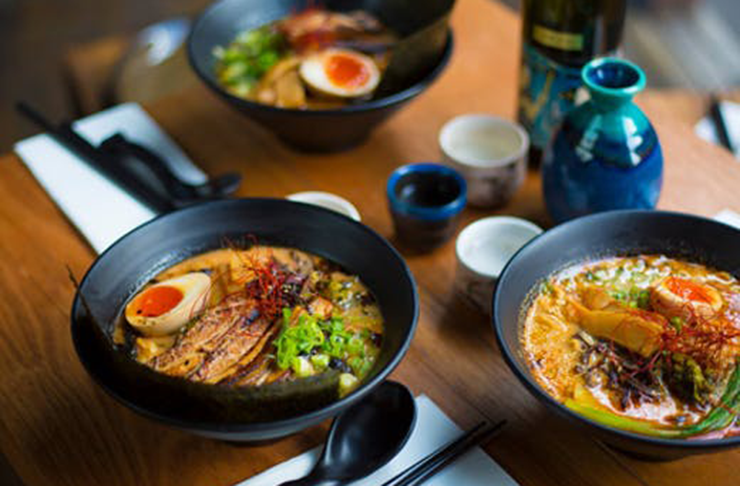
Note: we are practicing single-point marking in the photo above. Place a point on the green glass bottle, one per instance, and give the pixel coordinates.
(559, 38)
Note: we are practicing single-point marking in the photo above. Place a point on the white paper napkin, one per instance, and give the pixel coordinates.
(433, 430)
(731, 111)
(728, 216)
(100, 209)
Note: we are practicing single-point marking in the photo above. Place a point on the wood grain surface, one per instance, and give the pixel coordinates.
(57, 427)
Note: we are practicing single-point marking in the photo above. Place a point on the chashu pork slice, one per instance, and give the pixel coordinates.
(190, 350)
(230, 349)
(260, 352)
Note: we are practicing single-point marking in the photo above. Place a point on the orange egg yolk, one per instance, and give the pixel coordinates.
(157, 300)
(346, 71)
(688, 290)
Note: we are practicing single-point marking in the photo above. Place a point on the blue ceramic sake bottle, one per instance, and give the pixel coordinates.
(606, 154)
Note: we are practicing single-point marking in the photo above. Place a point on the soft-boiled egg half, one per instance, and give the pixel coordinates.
(166, 306)
(684, 298)
(340, 72)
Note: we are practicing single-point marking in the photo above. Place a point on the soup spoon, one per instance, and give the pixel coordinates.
(364, 437)
(181, 190)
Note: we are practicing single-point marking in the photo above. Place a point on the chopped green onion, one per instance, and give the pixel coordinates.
(347, 383)
(320, 361)
(301, 367)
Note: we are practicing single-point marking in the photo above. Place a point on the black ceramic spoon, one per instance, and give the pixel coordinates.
(364, 437)
(215, 188)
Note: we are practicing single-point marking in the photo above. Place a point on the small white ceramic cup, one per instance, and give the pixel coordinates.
(490, 152)
(327, 200)
(483, 248)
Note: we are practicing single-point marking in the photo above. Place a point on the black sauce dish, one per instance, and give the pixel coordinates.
(425, 201)
(614, 233)
(236, 414)
(327, 130)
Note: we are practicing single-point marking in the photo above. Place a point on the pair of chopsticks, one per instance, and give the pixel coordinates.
(437, 460)
(107, 165)
(720, 125)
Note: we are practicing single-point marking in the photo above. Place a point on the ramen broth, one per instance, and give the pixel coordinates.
(646, 343)
(251, 317)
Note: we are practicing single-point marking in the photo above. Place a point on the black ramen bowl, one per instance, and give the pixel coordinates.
(616, 233)
(237, 414)
(327, 130)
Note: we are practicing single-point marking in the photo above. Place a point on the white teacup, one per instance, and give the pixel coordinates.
(327, 200)
(490, 152)
(483, 248)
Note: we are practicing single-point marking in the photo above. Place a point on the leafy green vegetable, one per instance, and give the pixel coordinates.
(619, 295)
(301, 367)
(722, 416)
(320, 361)
(610, 419)
(642, 297)
(677, 323)
(296, 340)
(347, 383)
(242, 64)
(308, 345)
(636, 297)
(546, 288)
(360, 366)
(686, 379)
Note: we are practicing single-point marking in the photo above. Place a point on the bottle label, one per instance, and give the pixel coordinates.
(547, 92)
(564, 41)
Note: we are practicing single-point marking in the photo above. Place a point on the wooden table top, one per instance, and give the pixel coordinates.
(57, 427)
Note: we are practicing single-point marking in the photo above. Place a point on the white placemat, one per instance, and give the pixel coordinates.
(731, 112)
(100, 209)
(728, 216)
(433, 430)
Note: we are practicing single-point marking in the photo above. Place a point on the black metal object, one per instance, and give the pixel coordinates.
(180, 191)
(438, 460)
(240, 414)
(110, 159)
(107, 165)
(614, 233)
(364, 438)
(720, 125)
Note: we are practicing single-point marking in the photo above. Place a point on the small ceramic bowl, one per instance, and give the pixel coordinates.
(490, 152)
(425, 201)
(327, 200)
(483, 248)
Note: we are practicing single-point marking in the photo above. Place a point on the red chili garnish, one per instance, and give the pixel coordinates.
(266, 286)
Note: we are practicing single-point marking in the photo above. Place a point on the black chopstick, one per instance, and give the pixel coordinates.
(109, 167)
(720, 125)
(434, 462)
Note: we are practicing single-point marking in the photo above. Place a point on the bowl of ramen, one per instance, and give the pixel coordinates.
(628, 323)
(246, 319)
(320, 77)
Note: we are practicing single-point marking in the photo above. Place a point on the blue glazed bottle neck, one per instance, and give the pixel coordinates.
(612, 83)
(609, 127)
(604, 103)
(612, 80)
